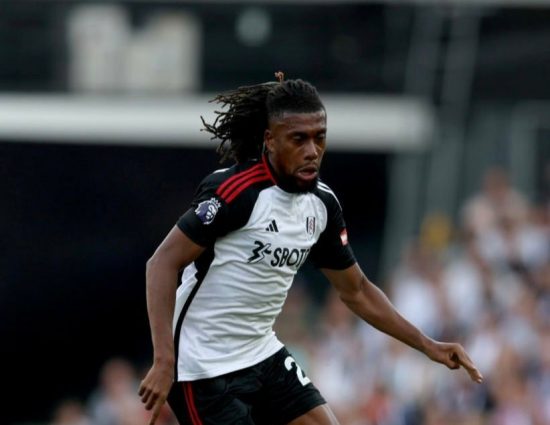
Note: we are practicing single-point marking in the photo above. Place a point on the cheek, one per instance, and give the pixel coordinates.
(288, 155)
(321, 148)
(291, 163)
(284, 160)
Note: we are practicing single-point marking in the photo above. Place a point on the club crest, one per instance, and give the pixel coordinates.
(310, 226)
(206, 211)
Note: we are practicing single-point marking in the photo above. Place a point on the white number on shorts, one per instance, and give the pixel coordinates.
(304, 380)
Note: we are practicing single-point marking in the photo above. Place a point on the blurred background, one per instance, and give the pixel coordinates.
(439, 150)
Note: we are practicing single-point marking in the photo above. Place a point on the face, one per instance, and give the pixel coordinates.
(295, 143)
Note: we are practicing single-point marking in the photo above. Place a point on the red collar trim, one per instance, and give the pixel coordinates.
(267, 167)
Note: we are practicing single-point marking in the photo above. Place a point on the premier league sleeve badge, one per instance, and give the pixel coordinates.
(206, 211)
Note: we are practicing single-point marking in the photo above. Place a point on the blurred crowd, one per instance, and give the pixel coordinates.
(115, 401)
(482, 280)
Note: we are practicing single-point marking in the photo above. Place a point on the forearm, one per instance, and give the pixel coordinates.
(373, 306)
(161, 284)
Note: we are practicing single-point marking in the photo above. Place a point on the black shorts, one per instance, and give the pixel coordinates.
(273, 392)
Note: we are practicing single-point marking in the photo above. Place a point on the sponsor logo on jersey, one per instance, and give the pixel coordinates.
(310, 226)
(206, 211)
(258, 253)
(272, 227)
(278, 256)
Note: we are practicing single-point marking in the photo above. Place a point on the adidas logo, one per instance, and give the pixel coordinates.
(272, 227)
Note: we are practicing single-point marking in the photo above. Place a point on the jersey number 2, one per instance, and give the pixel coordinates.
(304, 380)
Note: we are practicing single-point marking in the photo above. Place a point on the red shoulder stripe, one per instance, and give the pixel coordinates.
(227, 191)
(237, 176)
(248, 183)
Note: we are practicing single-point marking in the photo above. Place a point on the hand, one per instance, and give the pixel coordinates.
(453, 356)
(155, 387)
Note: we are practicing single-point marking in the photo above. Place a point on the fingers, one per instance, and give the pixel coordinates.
(154, 390)
(156, 410)
(455, 362)
(152, 400)
(150, 394)
(145, 394)
(461, 358)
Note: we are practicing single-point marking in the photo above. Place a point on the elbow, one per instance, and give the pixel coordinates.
(161, 261)
(152, 262)
(358, 297)
(351, 298)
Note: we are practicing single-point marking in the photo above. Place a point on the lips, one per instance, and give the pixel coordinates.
(309, 172)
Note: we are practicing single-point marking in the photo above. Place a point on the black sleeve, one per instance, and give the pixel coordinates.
(332, 250)
(208, 217)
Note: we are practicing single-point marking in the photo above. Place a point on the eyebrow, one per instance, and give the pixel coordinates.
(319, 130)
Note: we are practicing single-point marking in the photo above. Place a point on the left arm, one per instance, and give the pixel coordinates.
(371, 304)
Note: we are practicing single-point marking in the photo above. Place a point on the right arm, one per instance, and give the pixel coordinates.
(175, 252)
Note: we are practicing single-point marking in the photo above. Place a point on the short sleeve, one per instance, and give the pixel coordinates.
(332, 250)
(208, 217)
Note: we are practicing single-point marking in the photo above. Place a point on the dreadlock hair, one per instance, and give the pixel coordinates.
(241, 126)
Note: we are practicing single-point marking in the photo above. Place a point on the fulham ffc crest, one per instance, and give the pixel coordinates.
(310, 226)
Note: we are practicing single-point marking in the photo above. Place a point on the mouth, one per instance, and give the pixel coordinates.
(308, 172)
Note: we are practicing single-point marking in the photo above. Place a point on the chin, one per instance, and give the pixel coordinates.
(306, 186)
(293, 184)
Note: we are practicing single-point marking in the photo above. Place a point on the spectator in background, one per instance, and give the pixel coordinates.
(496, 197)
(338, 366)
(540, 377)
(70, 412)
(467, 277)
(513, 405)
(114, 402)
(416, 289)
(515, 243)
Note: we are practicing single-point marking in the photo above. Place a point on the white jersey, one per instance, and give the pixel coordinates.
(256, 235)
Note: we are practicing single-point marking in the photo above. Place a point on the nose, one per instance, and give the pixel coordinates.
(311, 152)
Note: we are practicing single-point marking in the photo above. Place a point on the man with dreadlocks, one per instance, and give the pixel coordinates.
(250, 227)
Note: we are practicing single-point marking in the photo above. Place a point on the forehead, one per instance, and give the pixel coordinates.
(297, 121)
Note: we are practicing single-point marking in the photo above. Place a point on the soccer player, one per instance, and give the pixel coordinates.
(249, 228)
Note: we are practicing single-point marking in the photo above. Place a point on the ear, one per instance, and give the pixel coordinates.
(268, 140)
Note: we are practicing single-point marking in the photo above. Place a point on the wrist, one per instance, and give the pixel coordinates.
(426, 345)
(165, 360)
